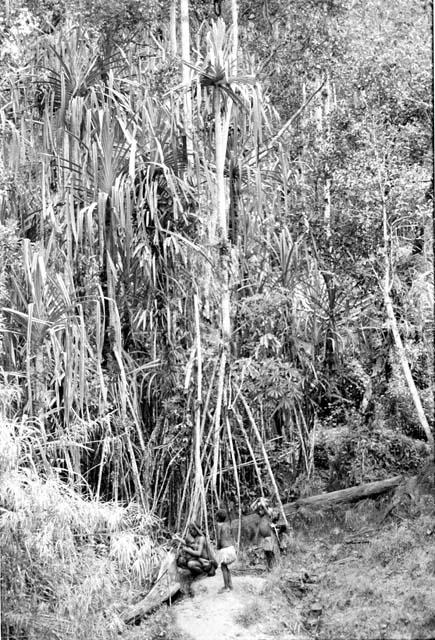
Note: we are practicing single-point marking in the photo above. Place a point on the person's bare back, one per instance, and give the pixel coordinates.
(226, 551)
(224, 535)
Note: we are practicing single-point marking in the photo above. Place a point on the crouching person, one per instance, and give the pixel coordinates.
(195, 553)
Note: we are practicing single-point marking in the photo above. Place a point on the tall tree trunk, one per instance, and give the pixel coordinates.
(328, 276)
(185, 54)
(222, 114)
(391, 317)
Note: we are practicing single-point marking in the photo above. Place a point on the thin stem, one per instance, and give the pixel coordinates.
(264, 452)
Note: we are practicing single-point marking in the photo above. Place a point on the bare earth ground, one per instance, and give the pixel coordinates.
(243, 614)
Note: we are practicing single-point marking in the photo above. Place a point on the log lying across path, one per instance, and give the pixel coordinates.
(169, 582)
(320, 500)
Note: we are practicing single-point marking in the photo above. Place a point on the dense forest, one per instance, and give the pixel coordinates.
(216, 271)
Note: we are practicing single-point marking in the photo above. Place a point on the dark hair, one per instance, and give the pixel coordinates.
(221, 515)
(196, 529)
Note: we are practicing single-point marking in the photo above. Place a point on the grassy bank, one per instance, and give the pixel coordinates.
(368, 581)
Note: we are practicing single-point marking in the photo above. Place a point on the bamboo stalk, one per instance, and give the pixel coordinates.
(199, 478)
(222, 113)
(135, 472)
(236, 474)
(264, 452)
(29, 358)
(217, 420)
(207, 402)
(251, 451)
(184, 493)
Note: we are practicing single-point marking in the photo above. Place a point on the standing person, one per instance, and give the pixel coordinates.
(226, 554)
(264, 532)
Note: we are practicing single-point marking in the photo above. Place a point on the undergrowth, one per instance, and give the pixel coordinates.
(355, 453)
(69, 564)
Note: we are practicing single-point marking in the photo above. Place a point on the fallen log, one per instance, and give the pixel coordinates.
(350, 494)
(167, 585)
(152, 600)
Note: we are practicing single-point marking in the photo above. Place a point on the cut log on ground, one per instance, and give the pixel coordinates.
(167, 585)
(351, 494)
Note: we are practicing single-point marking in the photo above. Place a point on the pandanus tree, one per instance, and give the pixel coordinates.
(187, 283)
(239, 116)
(117, 361)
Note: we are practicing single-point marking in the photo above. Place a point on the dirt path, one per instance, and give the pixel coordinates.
(252, 611)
